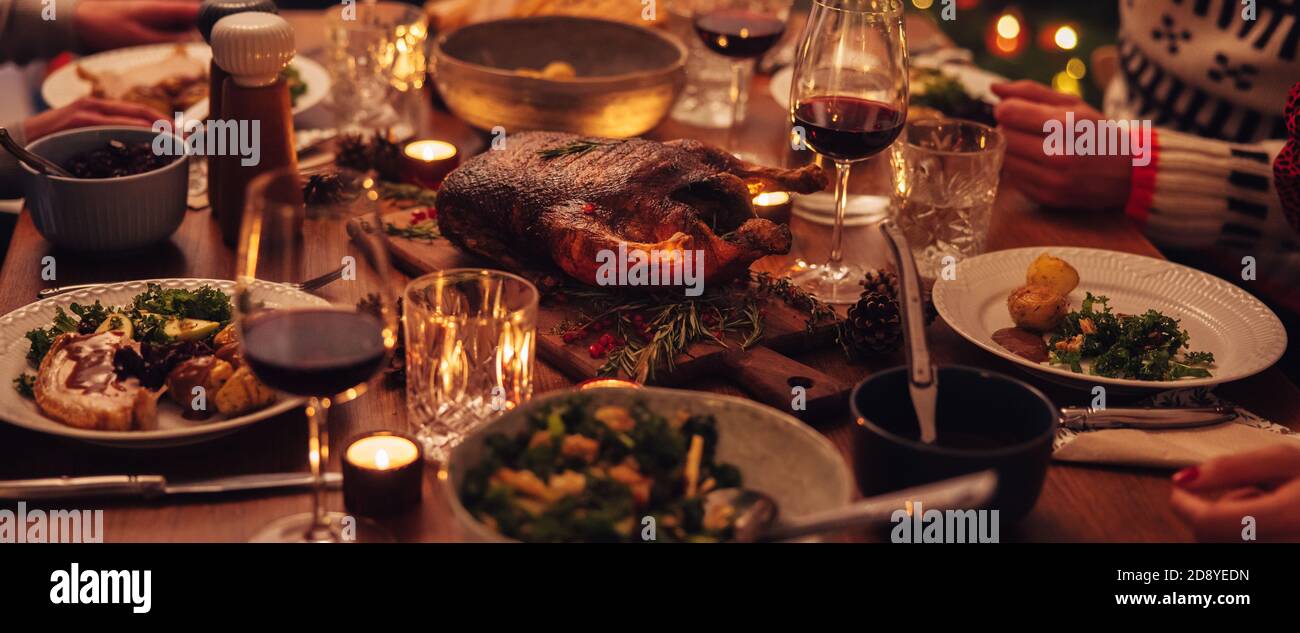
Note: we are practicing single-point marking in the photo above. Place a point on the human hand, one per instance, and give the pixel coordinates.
(1077, 182)
(86, 112)
(107, 24)
(1215, 497)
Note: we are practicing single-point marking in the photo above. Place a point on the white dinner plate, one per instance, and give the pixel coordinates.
(63, 86)
(173, 429)
(1243, 334)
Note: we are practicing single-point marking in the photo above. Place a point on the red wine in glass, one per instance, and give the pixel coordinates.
(314, 352)
(848, 128)
(738, 33)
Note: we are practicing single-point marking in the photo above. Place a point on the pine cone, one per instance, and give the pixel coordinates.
(881, 282)
(886, 283)
(386, 157)
(353, 152)
(873, 327)
(326, 188)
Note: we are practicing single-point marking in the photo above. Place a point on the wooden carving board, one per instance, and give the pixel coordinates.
(762, 370)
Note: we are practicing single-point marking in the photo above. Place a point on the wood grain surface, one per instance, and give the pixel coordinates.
(1078, 503)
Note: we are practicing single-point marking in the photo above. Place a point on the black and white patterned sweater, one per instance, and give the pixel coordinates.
(1214, 84)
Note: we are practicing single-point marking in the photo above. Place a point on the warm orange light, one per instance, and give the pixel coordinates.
(1066, 38)
(430, 151)
(771, 199)
(605, 383)
(382, 452)
(1008, 26)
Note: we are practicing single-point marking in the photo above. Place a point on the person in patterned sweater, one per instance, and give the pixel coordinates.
(1214, 85)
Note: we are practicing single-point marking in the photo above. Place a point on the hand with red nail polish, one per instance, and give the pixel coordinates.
(1216, 496)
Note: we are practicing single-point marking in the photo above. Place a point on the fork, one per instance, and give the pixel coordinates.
(306, 286)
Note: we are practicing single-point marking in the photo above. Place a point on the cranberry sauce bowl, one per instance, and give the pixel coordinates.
(106, 212)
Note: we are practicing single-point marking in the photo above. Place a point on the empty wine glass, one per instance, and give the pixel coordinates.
(329, 352)
(848, 102)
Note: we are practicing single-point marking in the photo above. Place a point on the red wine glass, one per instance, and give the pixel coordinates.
(742, 31)
(328, 349)
(848, 102)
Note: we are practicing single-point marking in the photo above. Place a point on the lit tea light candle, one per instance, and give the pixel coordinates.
(426, 163)
(773, 205)
(382, 474)
(603, 383)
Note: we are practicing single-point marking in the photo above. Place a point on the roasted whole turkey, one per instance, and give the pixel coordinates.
(551, 200)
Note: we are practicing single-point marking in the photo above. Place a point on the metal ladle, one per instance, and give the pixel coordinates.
(755, 515)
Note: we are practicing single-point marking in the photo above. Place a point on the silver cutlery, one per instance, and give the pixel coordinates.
(306, 286)
(923, 380)
(151, 486)
(39, 163)
(1149, 419)
(757, 515)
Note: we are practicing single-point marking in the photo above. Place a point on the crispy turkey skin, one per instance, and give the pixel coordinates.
(533, 213)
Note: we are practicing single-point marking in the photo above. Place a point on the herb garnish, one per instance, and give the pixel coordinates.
(1142, 347)
(652, 330)
(576, 148)
(25, 384)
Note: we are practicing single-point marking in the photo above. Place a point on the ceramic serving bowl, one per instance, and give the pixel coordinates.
(105, 215)
(627, 76)
(984, 420)
(776, 453)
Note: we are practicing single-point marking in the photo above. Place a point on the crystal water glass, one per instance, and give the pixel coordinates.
(945, 181)
(471, 338)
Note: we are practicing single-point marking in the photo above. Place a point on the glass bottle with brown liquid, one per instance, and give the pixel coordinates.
(256, 109)
(209, 13)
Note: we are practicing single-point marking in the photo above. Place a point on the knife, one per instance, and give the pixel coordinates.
(923, 380)
(151, 486)
(1148, 419)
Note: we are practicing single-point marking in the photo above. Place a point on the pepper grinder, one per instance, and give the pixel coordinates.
(253, 48)
(209, 13)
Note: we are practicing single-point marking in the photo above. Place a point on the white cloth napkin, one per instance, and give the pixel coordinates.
(1175, 448)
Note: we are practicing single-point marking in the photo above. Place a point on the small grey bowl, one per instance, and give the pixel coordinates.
(105, 215)
(775, 452)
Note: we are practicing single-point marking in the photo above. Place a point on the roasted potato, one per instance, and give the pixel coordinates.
(1052, 272)
(1037, 308)
(226, 336)
(243, 393)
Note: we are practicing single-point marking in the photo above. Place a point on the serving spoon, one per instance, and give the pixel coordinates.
(37, 162)
(756, 517)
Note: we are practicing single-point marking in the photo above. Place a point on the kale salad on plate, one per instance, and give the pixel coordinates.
(581, 472)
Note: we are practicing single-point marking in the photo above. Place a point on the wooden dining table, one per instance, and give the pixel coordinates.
(1078, 502)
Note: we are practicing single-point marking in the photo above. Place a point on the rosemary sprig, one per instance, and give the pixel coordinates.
(426, 230)
(575, 148)
(674, 322)
(398, 191)
(786, 290)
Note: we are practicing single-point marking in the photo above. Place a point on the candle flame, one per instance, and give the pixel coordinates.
(381, 459)
(771, 198)
(430, 151)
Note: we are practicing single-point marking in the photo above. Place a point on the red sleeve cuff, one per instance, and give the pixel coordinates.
(1142, 193)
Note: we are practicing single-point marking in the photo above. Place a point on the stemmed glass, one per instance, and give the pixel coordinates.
(329, 352)
(848, 102)
(742, 30)
(377, 63)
